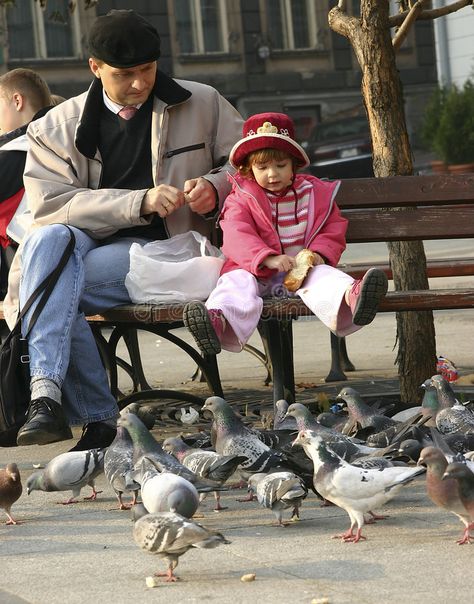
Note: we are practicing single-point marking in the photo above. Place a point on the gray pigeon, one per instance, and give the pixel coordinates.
(207, 464)
(451, 416)
(145, 444)
(443, 493)
(356, 490)
(341, 444)
(10, 489)
(145, 412)
(170, 535)
(279, 491)
(118, 463)
(69, 472)
(234, 438)
(361, 414)
(465, 478)
(163, 491)
(280, 420)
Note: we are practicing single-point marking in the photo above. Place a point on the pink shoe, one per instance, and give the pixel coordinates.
(365, 296)
(206, 326)
(217, 321)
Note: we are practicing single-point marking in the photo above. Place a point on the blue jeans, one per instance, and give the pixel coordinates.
(61, 344)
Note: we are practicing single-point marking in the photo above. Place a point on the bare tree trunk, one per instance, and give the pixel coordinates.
(382, 93)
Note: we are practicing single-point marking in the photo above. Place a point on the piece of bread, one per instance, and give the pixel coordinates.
(294, 278)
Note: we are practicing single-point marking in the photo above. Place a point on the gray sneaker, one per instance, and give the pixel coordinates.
(197, 319)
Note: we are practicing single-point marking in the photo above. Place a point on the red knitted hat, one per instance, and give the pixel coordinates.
(268, 130)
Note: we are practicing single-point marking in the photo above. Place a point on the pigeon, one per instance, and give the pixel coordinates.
(69, 472)
(279, 491)
(10, 489)
(451, 415)
(356, 490)
(145, 412)
(453, 445)
(465, 478)
(443, 493)
(207, 464)
(341, 444)
(234, 438)
(163, 491)
(329, 419)
(118, 462)
(455, 420)
(361, 414)
(170, 535)
(429, 403)
(145, 444)
(280, 420)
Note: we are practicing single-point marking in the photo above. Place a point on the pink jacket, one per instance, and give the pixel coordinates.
(249, 233)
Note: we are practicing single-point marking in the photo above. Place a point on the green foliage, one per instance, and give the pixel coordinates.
(453, 138)
(431, 117)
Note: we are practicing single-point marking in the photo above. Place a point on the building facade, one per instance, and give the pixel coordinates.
(263, 55)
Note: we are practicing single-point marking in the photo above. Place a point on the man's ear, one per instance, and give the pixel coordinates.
(94, 66)
(18, 100)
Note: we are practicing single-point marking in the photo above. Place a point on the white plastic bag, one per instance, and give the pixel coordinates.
(182, 268)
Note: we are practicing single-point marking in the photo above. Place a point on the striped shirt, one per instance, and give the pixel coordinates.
(290, 216)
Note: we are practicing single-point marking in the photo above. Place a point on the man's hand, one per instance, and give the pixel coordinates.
(200, 195)
(281, 263)
(162, 200)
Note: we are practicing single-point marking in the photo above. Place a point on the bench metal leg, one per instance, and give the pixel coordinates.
(336, 374)
(207, 363)
(130, 337)
(347, 364)
(277, 337)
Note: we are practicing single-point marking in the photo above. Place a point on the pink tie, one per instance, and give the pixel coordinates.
(127, 112)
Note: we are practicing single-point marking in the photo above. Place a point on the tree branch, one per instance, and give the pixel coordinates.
(434, 13)
(400, 36)
(340, 22)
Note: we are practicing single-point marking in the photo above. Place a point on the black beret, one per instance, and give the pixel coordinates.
(122, 38)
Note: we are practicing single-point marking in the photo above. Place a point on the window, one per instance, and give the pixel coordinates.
(292, 24)
(49, 33)
(201, 26)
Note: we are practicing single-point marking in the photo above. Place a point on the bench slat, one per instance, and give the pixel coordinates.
(449, 267)
(436, 299)
(406, 191)
(378, 225)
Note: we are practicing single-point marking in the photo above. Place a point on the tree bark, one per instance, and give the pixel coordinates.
(383, 99)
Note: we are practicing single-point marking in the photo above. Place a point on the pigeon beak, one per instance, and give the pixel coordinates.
(445, 476)
(28, 491)
(421, 462)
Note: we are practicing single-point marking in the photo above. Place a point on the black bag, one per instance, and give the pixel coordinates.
(15, 359)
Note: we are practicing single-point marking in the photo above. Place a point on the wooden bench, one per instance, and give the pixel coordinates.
(442, 207)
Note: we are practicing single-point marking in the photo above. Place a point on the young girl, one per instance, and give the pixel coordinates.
(270, 215)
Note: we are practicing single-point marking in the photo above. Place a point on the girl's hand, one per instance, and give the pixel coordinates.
(281, 263)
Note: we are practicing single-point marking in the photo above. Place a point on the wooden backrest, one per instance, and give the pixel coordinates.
(437, 207)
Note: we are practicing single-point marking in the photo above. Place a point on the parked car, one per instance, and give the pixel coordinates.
(340, 148)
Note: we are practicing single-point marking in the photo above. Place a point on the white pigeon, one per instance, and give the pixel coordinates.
(279, 491)
(69, 472)
(354, 489)
(163, 491)
(170, 535)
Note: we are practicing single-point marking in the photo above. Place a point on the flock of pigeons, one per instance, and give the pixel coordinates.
(357, 458)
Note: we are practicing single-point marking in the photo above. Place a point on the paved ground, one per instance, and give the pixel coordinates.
(85, 551)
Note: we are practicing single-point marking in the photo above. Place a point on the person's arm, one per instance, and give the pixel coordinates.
(207, 193)
(241, 242)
